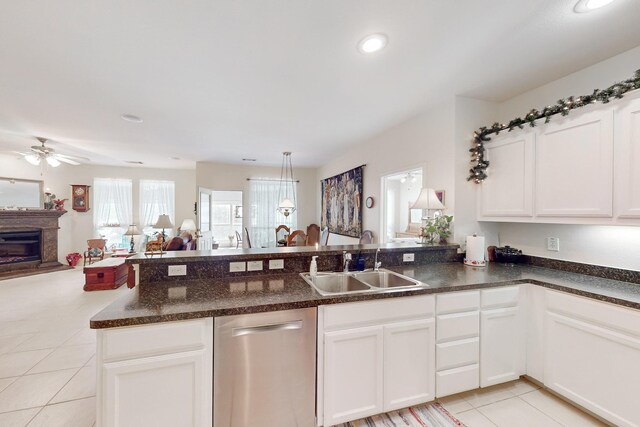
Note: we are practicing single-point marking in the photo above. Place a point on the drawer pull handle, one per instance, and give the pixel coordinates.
(287, 326)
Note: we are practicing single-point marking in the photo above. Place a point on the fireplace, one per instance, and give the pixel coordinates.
(19, 246)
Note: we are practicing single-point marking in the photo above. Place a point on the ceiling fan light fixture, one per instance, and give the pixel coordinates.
(53, 162)
(33, 159)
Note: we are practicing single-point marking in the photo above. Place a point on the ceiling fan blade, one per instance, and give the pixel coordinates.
(39, 150)
(66, 160)
(76, 158)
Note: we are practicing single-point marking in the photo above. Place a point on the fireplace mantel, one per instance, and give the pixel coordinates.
(40, 219)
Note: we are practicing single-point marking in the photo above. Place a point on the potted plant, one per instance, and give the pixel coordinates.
(73, 258)
(442, 224)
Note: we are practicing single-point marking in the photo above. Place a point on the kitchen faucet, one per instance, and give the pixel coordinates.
(376, 264)
(346, 257)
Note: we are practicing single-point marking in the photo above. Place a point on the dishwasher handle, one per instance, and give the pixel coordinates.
(286, 326)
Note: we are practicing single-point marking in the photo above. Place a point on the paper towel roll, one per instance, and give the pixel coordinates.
(475, 251)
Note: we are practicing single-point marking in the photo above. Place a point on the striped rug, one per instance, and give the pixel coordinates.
(430, 415)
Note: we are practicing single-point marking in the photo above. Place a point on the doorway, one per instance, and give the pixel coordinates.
(400, 191)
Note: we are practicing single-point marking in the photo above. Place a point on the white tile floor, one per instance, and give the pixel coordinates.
(47, 364)
(47, 351)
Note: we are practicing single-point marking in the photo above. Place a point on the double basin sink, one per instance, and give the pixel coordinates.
(360, 281)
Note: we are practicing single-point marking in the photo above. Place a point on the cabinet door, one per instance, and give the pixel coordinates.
(508, 190)
(574, 167)
(595, 367)
(627, 159)
(502, 355)
(353, 366)
(535, 323)
(409, 363)
(168, 390)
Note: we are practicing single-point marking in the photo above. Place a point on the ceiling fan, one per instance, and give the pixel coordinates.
(38, 154)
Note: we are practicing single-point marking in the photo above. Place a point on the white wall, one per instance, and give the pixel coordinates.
(425, 141)
(220, 176)
(602, 245)
(77, 227)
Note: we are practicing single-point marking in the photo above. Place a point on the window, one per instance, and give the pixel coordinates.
(226, 216)
(112, 212)
(264, 215)
(156, 198)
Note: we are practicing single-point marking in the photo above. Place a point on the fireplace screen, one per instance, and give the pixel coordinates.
(19, 246)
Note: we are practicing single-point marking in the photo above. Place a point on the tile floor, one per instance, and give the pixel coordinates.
(47, 364)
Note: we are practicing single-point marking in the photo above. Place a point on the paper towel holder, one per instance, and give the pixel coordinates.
(475, 262)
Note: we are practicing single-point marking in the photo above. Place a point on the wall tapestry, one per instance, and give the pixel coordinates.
(342, 203)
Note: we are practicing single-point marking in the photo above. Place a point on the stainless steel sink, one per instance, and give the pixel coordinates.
(359, 282)
(385, 279)
(336, 283)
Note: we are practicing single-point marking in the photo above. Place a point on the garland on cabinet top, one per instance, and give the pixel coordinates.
(478, 172)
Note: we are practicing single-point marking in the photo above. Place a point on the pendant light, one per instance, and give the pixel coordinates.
(286, 191)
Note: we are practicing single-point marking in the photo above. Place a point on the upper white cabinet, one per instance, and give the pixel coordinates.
(508, 191)
(574, 167)
(575, 170)
(627, 159)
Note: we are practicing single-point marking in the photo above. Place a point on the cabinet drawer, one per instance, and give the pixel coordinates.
(341, 316)
(458, 326)
(457, 380)
(457, 353)
(457, 301)
(500, 297)
(149, 340)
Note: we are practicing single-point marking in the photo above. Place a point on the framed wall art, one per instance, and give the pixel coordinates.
(342, 203)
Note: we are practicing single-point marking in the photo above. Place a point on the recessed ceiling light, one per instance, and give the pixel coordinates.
(131, 118)
(588, 5)
(248, 160)
(372, 43)
(176, 158)
(134, 162)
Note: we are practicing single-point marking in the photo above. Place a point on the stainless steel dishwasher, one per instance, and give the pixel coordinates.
(264, 369)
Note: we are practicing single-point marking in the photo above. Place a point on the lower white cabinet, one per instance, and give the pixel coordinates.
(155, 375)
(374, 357)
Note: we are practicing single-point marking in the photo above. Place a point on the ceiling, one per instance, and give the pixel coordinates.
(221, 80)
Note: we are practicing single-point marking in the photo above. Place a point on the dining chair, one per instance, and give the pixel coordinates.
(324, 236)
(238, 239)
(282, 231)
(297, 238)
(313, 234)
(246, 235)
(366, 237)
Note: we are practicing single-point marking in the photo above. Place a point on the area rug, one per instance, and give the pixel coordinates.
(431, 415)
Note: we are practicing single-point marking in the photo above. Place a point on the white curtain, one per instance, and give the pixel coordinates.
(112, 206)
(263, 213)
(156, 198)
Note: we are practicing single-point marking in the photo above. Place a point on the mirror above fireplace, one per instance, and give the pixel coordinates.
(20, 193)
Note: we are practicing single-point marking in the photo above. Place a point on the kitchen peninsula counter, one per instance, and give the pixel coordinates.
(189, 299)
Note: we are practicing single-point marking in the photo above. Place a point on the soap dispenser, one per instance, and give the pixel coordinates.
(313, 269)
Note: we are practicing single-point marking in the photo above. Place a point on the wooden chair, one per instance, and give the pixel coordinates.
(246, 236)
(282, 231)
(95, 250)
(238, 240)
(324, 236)
(297, 238)
(367, 237)
(313, 234)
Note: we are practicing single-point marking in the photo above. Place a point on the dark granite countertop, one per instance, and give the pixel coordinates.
(219, 297)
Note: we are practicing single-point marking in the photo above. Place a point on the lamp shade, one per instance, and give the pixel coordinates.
(132, 231)
(188, 225)
(427, 200)
(163, 222)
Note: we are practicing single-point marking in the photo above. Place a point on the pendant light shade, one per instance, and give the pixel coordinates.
(286, 191)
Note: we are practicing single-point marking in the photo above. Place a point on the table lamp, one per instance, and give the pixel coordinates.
(429, 201)
(132, 231)
(188, 225)
(163, 222)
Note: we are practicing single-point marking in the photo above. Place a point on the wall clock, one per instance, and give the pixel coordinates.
(369, 202)
(80, 197)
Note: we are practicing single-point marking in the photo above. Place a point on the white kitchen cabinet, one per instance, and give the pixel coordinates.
(591, 356)
(502, 343)
(508, 190)
(409, 363)
(627, 159)
(535, 330)
(374, 357)
(158, 374)
(353, 369)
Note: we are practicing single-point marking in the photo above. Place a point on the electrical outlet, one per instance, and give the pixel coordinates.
(177, 270)
(276, 264)
(408, 257)
(235, 267)
(254, 266)
(553, 244)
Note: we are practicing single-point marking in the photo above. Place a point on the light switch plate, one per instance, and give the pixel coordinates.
(553, 244)
(408, 257)
(235, 267)
(177, 270)
(254, 265)
(276, 264)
